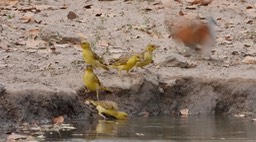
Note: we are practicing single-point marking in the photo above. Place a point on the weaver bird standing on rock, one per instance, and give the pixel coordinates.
(125, 63)
(108, 109)
(146, 56)
(90, 57)
(92, 82)
(198, 36)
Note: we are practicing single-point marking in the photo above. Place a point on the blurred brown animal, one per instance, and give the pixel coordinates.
(198, 36)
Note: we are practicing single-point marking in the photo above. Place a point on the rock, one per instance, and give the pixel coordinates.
(1, 28)
(2, 89)
(72, 15)
(59, 34)
(249, 60)
(176, 60)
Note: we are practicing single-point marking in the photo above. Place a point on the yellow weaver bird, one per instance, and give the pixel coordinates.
(92, 82)
(108, 109)
(90, 57)
(146, 56)
(110, 113)
(109, 105)
(125, 63)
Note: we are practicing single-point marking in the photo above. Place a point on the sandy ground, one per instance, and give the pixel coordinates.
(39, 51)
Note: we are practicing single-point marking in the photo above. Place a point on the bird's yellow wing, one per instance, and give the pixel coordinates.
(97, 57)
(97, 79)
(146, 56)
(108, 105)
(119, 61)
(111, 113)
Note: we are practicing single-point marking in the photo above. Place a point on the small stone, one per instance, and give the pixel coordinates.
(176, 60)
(72, 15)
(161, 90)
(2, 89)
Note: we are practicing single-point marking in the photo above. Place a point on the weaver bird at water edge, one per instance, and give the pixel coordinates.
(108, 109)
(92, 82)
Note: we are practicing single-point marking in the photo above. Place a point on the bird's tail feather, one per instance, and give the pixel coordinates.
(105, 67)
(106, 89)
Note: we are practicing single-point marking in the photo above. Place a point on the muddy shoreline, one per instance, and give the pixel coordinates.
(199, 96)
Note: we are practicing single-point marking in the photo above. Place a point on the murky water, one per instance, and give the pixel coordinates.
(174, 129)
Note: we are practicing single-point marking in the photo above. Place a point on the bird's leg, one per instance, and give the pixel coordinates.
(85, 90)
(100, 114)
(97, 93)
(120, 73)
(128, 73)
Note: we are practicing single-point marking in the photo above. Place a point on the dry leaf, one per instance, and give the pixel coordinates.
(33, 33)
(139, 134)
(98, 14)
(143, 113)
(192, 7)
(179, 1)
(239, 115)
(58, 120)
(184, 111)
(26, 9)
(201, 2)
(8, 2)
(249, 60)
(228, 38)
(65, 6)
(103, 43)
(89, 6)
(31, 43)
(44, 50)
(28, 18)
(45, 7)
(14, 136)
(249, 7)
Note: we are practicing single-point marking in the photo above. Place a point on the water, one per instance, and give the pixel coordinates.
(167, 128)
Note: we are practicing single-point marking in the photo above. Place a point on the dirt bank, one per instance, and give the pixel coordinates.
(199, 96)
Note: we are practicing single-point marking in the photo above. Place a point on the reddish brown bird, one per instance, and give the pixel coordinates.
(198, 36)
